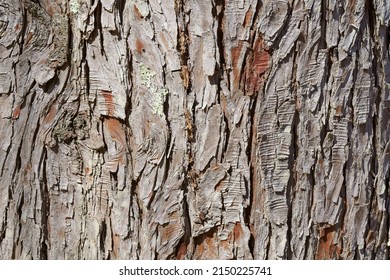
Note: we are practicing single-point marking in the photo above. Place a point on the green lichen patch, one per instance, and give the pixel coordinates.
(74, 6)
(158, 94)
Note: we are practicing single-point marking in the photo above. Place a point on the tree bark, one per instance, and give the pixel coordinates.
(194, 129)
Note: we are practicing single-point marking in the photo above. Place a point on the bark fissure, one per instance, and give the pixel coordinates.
(45, 211)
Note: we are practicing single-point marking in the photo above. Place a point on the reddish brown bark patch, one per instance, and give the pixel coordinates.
(253, 67)
(115, 246)
(50, 10)
(109, 102)
(248, 17)
(168, 231)
(257, 64)
(137, 12)
(328, 249)
(236, 64)
(182, 251)
(51, 7)
(339, 111)
(207, 245)
(28, 39)
(16, 113)
(237, 231)
(50, 115)
(114, 128)
(139, 46)
(321, 163)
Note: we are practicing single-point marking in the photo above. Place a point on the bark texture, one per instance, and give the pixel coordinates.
(192, 129)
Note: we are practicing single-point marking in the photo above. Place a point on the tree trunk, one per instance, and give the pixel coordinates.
(224, 129)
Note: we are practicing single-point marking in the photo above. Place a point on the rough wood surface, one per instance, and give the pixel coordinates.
(224, 129)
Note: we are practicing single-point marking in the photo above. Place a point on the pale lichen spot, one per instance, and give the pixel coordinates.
(158, 101)
(74, 6)
(158, 94)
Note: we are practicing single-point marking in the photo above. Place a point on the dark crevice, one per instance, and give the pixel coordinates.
(121, 7)
(3, 227)
(23, 31)
(343, 198)
(323, 24)
(252, 131)
(227, 137)
(36, 131)
(129, 103)
(114, 180)
(169, 140)
(134, 196)
(314, 184)
(69, 46)
(168, 158)
(19, 213)
(102, 236)
(268, 248)
(18, 162)
(291, 184)
(220, 5)
(290, 199)
(98, 30)
(294, 151)
(247, 199)
(186, 238)
(85, 62)
(45, 208)
(110, 254)
(328, 72)
(251, 151)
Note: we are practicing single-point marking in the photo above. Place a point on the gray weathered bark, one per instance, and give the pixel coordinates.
(224, 129)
